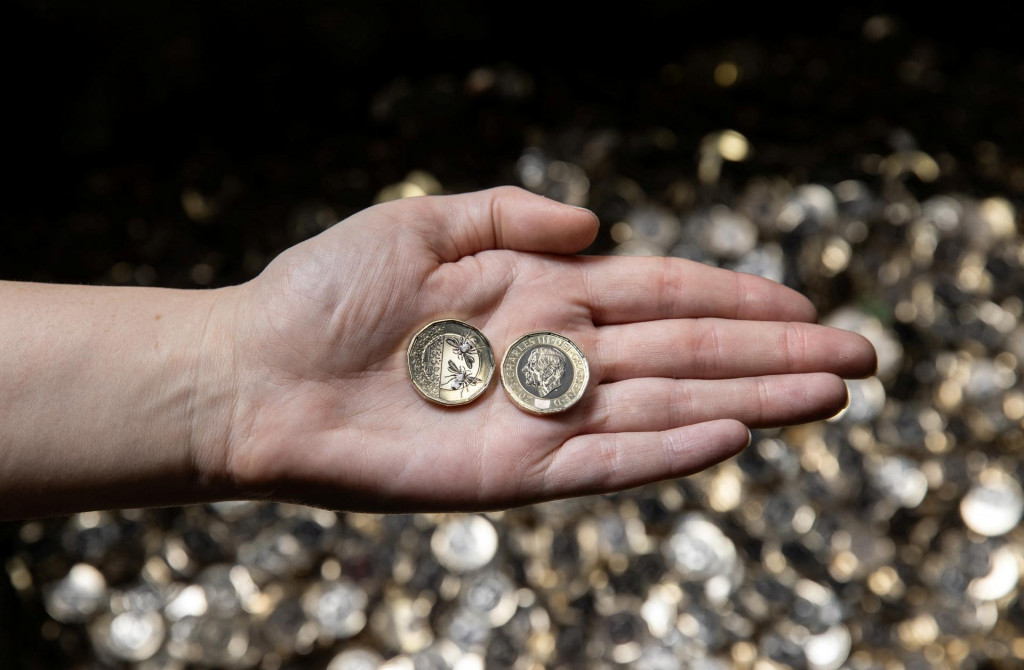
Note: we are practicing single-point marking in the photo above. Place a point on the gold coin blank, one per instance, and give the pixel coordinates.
(450, 362)
(544, 372)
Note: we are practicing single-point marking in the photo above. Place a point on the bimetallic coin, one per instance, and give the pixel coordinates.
(450, 362)
(544, 373)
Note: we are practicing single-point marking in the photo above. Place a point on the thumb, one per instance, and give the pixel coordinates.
(506, 217)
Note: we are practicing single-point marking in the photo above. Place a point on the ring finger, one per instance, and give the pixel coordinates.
(724, 348)
(654, 404)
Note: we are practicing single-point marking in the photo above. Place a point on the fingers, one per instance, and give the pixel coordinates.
(646, 430)
(610, 462)
(723, 348)
(662, 404)
(505, 218)
(629, 289)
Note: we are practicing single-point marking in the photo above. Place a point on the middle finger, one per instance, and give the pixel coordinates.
(723, 348)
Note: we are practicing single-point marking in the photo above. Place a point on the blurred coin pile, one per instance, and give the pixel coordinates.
(889, 537)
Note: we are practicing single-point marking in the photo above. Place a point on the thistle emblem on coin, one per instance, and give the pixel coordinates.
(450, 362)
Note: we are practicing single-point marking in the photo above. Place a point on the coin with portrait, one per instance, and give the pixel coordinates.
(450, 362)
(544, 372)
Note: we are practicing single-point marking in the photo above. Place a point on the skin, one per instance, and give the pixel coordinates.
(294, 386)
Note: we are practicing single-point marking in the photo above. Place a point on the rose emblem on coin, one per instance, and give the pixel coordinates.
(544, 372)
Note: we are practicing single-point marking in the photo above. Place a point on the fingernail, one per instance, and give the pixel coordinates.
(750, 438)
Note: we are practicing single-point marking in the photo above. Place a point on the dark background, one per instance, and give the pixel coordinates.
(117, 108)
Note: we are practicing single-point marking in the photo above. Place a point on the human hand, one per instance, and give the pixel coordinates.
(682, 358)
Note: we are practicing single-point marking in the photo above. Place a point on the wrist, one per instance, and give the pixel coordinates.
(114, 397)
(213, 379)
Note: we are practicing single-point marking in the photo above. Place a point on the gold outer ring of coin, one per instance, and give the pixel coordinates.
(450, 362)
(535, 372)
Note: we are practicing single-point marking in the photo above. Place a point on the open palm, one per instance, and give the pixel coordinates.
(682, 358)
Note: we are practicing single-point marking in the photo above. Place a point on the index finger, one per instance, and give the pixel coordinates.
(624, 289)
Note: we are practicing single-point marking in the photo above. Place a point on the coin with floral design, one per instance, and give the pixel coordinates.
(544, 372)
(450, 362)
